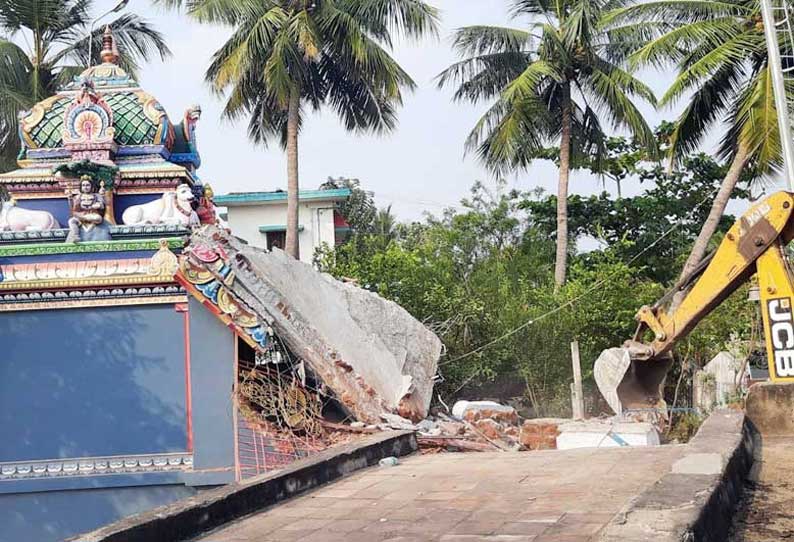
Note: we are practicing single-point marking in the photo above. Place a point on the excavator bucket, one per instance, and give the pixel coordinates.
(629, 382)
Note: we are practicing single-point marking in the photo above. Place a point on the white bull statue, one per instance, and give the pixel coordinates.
(13, 218)
(173, 208)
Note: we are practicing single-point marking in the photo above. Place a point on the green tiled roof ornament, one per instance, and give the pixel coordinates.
(135, 117)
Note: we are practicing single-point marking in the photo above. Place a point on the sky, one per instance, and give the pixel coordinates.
(420, 167)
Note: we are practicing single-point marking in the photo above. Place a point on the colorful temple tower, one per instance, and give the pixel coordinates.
(115, 388)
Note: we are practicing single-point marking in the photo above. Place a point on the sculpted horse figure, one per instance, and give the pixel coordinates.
(13, 218)
(173, 208)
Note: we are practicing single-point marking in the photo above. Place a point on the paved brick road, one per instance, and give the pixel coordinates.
(549, 496)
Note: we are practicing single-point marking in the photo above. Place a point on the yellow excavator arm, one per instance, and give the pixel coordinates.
(753, 245)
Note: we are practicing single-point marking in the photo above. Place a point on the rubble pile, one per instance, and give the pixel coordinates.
(480, 426)
(329, 361)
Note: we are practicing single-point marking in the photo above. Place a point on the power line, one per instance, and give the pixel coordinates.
(584, 294)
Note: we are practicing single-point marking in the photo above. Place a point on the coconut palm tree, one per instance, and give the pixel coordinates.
(45, 44)
(719, 50)
(285, 57)
(551, 81)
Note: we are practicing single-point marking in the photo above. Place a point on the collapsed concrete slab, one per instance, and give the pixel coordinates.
(370, 352)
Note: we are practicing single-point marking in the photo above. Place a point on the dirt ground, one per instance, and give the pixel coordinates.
(765, 514)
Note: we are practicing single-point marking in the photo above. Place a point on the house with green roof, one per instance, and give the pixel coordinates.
(260, 218)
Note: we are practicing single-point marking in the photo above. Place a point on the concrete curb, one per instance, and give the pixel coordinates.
(692, 501)
(208, 510)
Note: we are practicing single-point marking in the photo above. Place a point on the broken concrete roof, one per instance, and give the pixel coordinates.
(370, 352)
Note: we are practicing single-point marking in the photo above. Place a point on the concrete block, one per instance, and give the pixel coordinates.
(604, 434)
(770, 407)
(691, 502)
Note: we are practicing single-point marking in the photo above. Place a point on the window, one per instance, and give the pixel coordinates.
(276, 239)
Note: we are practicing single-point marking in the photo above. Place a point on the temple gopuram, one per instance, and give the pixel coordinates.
(115, 389)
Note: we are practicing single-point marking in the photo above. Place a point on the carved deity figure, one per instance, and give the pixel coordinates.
(87, 222)
(206, 207)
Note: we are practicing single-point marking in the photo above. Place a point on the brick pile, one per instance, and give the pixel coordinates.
(487, 427)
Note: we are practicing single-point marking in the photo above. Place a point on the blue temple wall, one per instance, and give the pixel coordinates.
(56, 515)
(89, 256)
(105, 381)
(92, 382)
(212, 352)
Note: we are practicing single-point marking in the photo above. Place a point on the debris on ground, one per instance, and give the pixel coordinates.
(473, 411)
(390, 461)
(327, 362)
(540, 433)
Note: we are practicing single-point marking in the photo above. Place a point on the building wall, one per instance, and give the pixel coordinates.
(317, 219)
(81, 382)
(92, 382)
(212, 366)
(51, 516)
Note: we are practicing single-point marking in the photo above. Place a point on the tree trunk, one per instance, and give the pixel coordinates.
(562, 191)
(292, 174)
(717, 210)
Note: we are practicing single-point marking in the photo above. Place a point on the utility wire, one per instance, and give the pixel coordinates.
(584, 294)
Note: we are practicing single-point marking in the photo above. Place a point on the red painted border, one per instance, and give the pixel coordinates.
(183, 308)
(235, 406)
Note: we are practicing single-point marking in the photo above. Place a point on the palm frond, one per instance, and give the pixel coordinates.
(579, 25)
(410, 18)
(35, 15)
(614, 102)
(226, 12)
(532, 7)
(138, 41)
(509, 136)
(525, 87)
(16, 95)
(754, 124)
(710, 102)
(676, 12)
(673, 46)
(483, 77)
(733, 52)
(482, 40)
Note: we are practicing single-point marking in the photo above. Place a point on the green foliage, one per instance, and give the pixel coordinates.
(561, 58)
(479, 275)
(731, 322)
(57, 50)
(99, 173)
(684, 427)
(557, 79)
(682, 197)
(359, 209)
